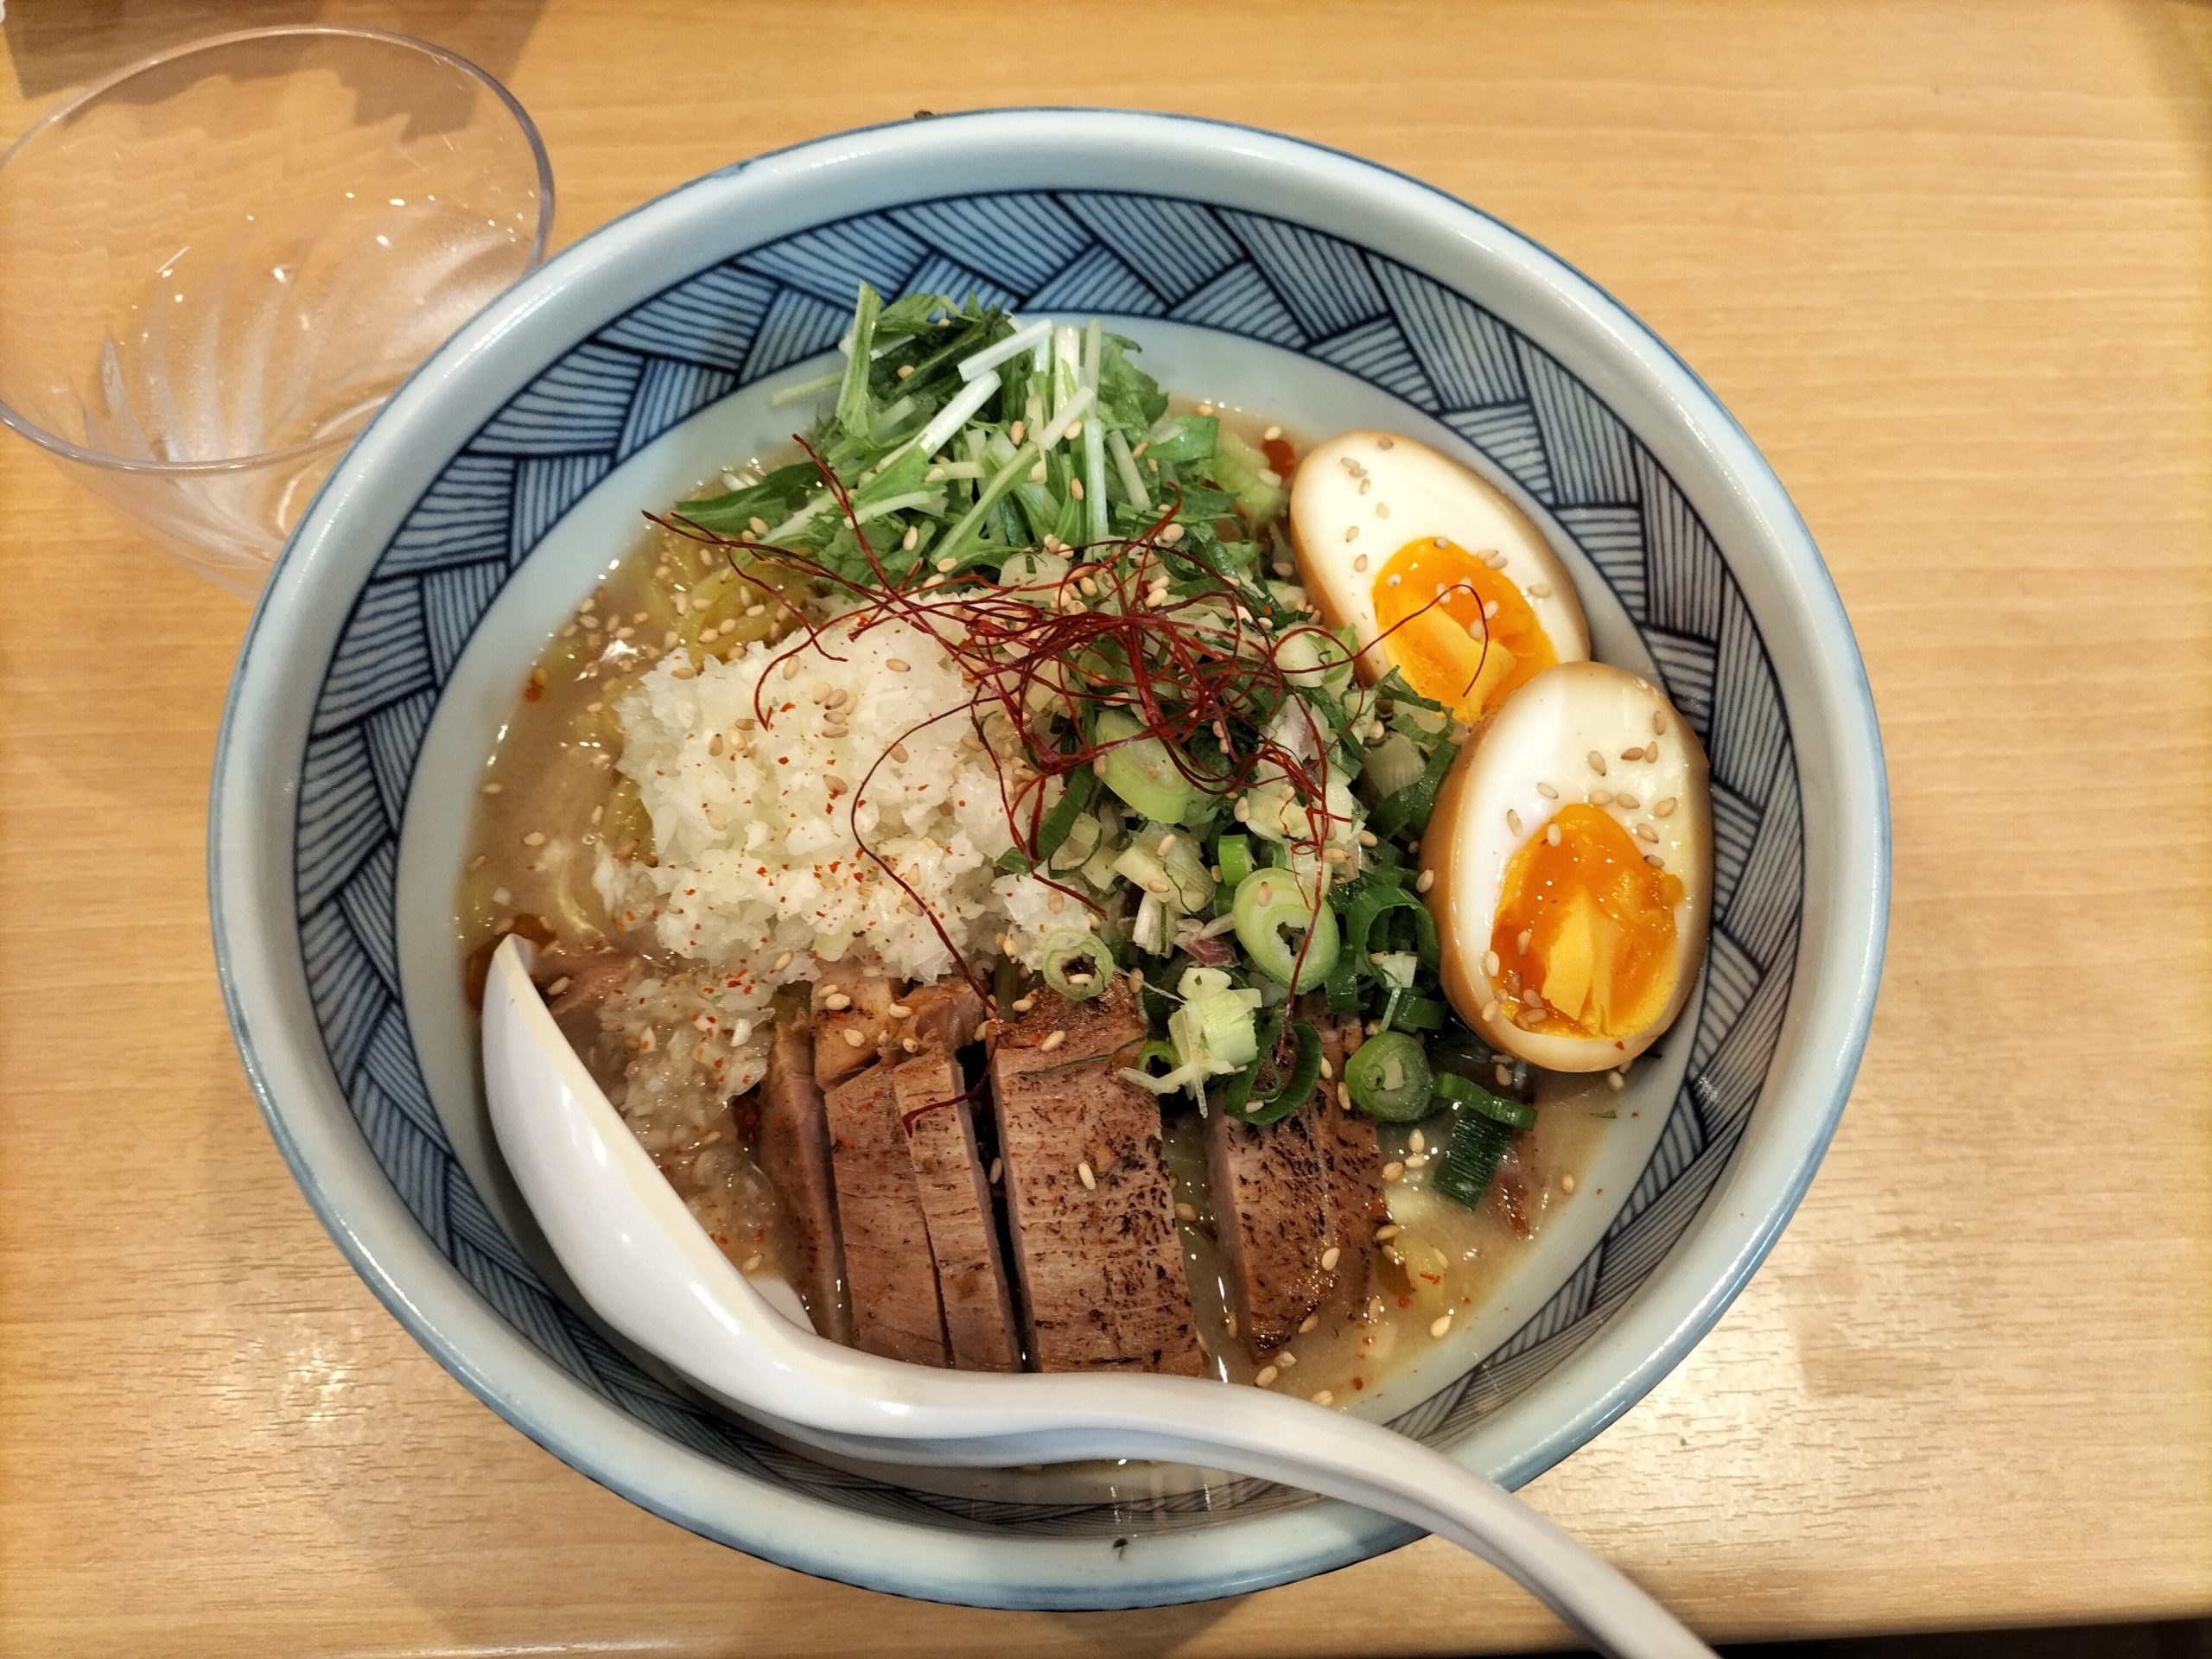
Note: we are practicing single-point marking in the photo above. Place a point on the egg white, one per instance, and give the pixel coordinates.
(1412, 491)
(1545, 733)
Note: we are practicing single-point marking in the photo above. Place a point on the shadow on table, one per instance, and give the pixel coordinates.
(57, 47)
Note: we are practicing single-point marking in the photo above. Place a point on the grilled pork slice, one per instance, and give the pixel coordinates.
(940, 1018)
(940, 1129)
(1100, 1263)
(794, 1150)
(1357, 1207)
(851, 1018)
(1272, 1212)
(889, 1272)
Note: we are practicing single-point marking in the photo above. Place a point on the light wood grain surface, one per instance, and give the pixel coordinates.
(1950, 266)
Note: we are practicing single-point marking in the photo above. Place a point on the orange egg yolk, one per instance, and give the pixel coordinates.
(1461, 633)
(1585, 931)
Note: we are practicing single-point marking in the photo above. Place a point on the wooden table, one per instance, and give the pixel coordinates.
(1949, 265)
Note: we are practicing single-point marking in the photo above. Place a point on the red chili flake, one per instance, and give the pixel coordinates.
(1358, 1383)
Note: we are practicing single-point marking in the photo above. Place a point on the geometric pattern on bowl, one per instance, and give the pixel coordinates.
(1081, 252)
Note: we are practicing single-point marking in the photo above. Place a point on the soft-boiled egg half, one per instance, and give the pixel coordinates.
(1571, 853)
(1435, 571)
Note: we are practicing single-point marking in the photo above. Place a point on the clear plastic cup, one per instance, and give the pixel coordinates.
(215, 265)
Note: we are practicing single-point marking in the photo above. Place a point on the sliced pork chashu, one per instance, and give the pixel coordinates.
(1275, 1218)
(852, 1019)
(1099, 1260)
(940, 1129)
(890, 1274)
(794, 1153)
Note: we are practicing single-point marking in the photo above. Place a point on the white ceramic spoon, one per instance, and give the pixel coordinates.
(650, 1271)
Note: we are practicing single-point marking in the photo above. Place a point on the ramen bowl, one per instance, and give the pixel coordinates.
(497, 485)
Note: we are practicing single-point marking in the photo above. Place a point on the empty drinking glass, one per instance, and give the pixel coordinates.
(215, 265)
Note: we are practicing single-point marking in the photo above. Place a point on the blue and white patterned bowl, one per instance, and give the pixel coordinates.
(1255, 268)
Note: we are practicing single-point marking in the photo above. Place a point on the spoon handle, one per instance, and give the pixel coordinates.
(1365, 1464)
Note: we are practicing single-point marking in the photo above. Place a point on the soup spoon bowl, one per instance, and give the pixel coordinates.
(643, 1263)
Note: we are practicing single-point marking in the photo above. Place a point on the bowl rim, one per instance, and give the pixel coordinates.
(376, 1233)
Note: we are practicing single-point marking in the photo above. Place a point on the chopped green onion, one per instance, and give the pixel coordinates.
(1234, 854)
(1499, 1108)
(1267, 902)
(1140, 769)
(1082, 840)
(1406, 812)
(1470, 1159)
(1247, 1101)
(1394, 764)
(1418, 1014)
(1070, 945)
(1389, 1079)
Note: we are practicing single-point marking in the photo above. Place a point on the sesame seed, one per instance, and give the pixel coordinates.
(752, 1263)
(1646, 832)
(911, 1045)
(1512, 820)
(1439, 1325)
(1658, 722)
(1023, 1004)
(1185, 1212)
(1090, 1180)
(1052, 1041)
(1521, 942)
(1655, 861)
(900, 1011)
(897, 664)
(535, 838)
(1285, 1359)
(855, 1039)
(1166, 845)
(1307, 1324)
(1228, 1321)
(1425, 880)
(1529, 1019)
(1547, 791)
(1393, 1169)
(1268, 1374)
(1490, 963)
(1551, 834)
(783, 962)
(1615, 1082)
(1204, 409)
(1623, 797)
(1503, 1073)
(1360, 563)
(1351, 532)
(1597, 762)
(791, 668)
(1037, 474)
(493, 789)
(1489, 1011)
(1324, 1397)
(1600, 797)
(1334, 855)
(998, 1168)
(1494, 559)
(1382, 509)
